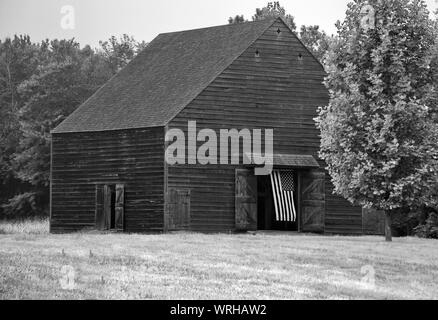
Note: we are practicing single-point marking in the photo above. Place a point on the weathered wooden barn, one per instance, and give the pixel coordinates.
(108, 168)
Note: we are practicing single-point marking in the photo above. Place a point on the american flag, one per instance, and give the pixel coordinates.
(283, 188)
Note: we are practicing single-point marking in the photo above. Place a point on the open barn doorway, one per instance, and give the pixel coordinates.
(257, 198)
(110, 199)
(265, 204)
(268, 217)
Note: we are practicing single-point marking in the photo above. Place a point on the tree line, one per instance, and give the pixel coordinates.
(40, 85)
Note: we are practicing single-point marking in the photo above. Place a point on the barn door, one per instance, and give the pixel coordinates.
(178, 209)
(103, 207)
(107, 206)
(120, 207)
(312, 201)
(246, 200)
(100, 216)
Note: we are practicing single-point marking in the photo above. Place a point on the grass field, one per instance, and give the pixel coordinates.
(37, 265)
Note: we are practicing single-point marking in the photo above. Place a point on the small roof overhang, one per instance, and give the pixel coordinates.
(288, 160)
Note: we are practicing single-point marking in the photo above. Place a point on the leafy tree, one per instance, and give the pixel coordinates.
(18, 60)
(428, 229)
(273, 9)
(237, 19)
(68, 76)
(119, 52)
(432, 96)
(378, 139)
(40, 85)
(315, 40)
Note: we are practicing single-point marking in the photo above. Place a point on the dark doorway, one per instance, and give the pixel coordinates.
(110, 207)
(266, 216)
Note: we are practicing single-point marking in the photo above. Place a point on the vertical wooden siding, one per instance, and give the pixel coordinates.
(276, 90)
(341, 217)
(130, 157)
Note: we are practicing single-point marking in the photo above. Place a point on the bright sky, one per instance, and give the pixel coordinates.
(96, 20)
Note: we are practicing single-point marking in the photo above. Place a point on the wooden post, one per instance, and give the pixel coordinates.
(388, 232)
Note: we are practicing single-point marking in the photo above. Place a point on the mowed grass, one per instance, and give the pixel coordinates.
(38, 265)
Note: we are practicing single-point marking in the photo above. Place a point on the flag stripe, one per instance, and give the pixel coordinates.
(293, 207)
(294, 215)
(289, 206)
(274, 194)
(286, 204)
(283, 199)
(279, 196)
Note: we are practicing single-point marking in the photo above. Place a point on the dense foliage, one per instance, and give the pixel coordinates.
(379, 132)
(315, 40)
(429, 228)
(40, 85)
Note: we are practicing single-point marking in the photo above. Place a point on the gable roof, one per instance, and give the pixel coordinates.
(166, 76)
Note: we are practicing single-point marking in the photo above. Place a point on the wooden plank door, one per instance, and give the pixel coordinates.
(103, 207)
(107, 206)
(120, 207)
(100, 216)
(178, 209)
(246, 200)
(312, 201)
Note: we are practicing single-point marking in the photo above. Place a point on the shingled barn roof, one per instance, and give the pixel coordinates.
(166, 76)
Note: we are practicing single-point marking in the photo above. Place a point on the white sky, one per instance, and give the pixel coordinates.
(99, 19)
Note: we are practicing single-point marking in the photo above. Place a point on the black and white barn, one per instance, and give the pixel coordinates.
(108, 168)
